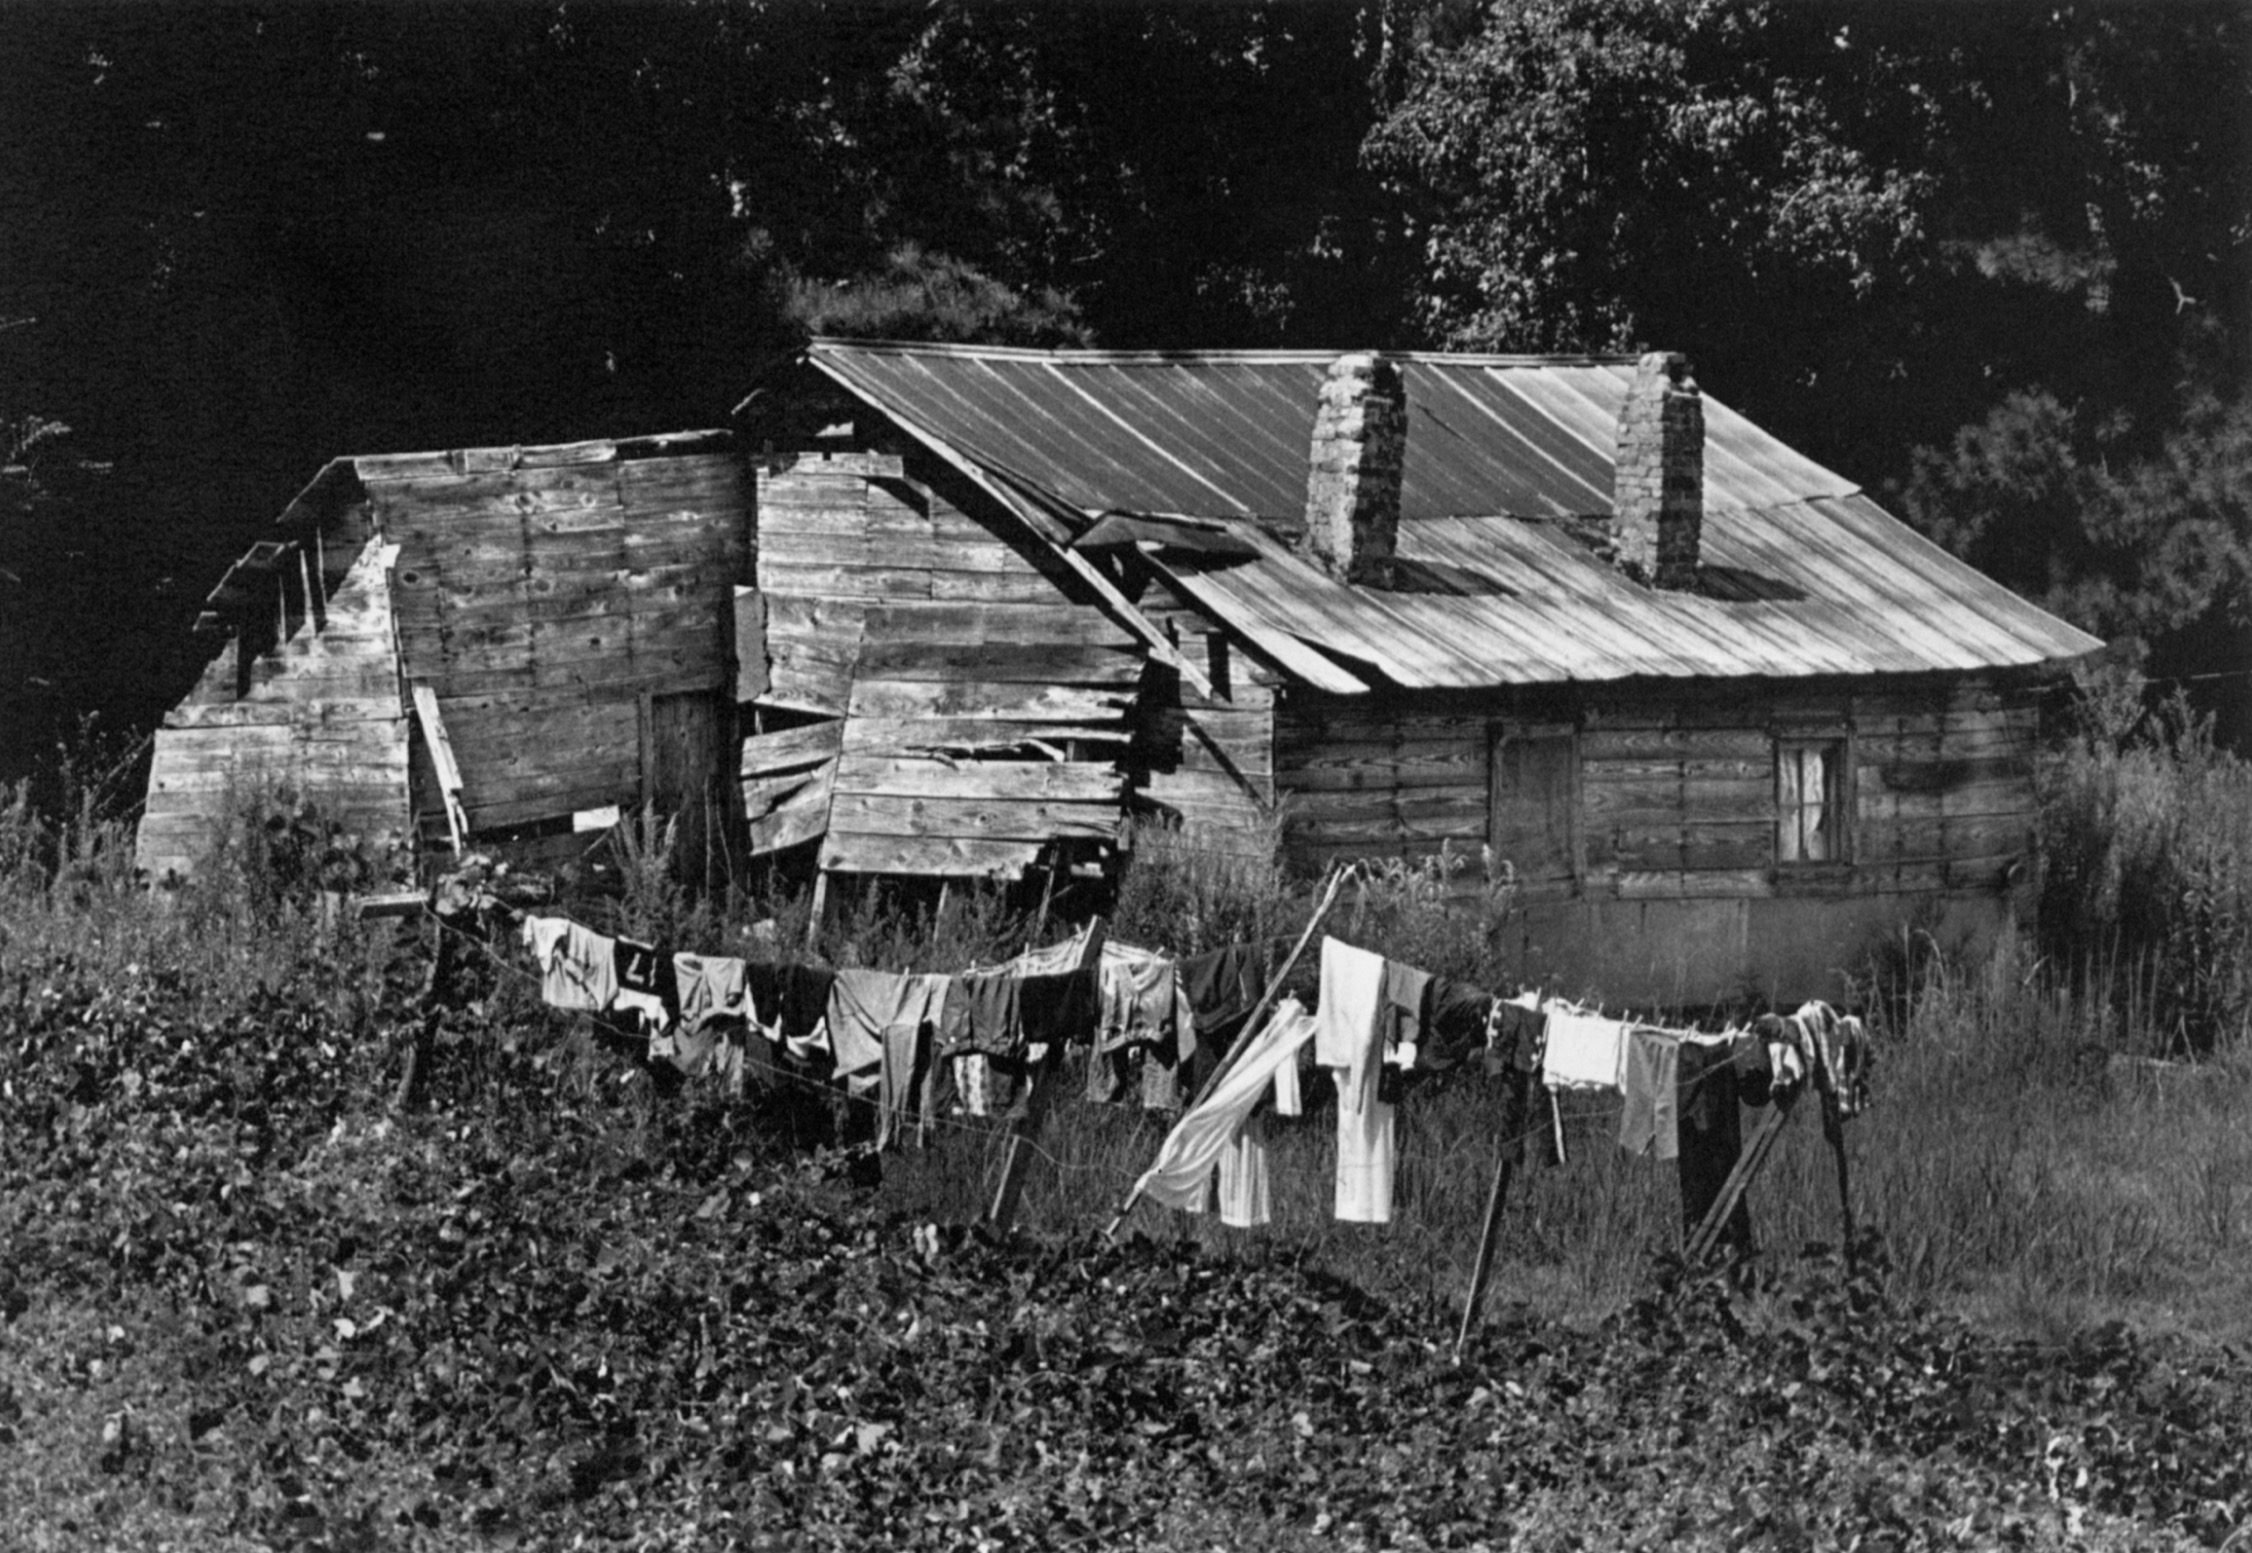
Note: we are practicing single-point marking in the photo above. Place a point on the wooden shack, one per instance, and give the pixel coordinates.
(484, 646)
(1718, 718)
(1714, 717)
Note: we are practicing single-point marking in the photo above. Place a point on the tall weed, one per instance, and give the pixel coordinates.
(2146, 889)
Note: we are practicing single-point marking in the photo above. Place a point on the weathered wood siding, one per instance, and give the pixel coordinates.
(1676, 791)
(319, 714)
(543, 604)
(972, 704)
(1205, 762)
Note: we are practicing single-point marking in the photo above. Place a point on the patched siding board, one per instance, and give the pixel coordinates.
(982, 701)
(328, 722)
(542, 603)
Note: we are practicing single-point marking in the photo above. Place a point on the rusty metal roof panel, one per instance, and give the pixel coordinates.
(1806, 576)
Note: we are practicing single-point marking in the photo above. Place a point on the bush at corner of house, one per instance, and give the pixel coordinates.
(2145, 843)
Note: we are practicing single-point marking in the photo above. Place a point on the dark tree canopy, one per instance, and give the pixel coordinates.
(236, 241)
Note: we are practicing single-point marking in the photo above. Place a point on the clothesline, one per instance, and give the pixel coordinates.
(968, 1126)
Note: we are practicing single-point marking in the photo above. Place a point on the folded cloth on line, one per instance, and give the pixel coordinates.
(1185, 1161)
(1585, 1051)
(578, 966)
(1653, 1066)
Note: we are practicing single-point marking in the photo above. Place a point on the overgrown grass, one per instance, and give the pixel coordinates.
(2035, 1156)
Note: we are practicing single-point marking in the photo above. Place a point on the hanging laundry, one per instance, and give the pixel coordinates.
(1289, 1099)
(1403, 1009)
(1223, 986)
(1855, 1057)
(1349, 1042)
(973, 1082)
(1585, 1051)
(1653, 1066)
(1245, 1201)
(645, 984)
(792, 1006)
(1708, 1122)
(1786, 1064)
(1161, 1088)
(864, 1003)
(710, 987)
(1456, 1029)
(906, 1106)
(1515, 1037)
(1352, 980)
(1184, 1167)
(578, 967)
(1141, 999)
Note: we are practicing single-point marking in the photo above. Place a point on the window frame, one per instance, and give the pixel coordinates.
(1840, 798)
(1498, 736)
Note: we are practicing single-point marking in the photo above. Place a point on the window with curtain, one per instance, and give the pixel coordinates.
(1533, 819)
(1810, 801)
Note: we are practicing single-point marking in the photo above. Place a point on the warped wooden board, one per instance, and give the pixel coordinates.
(1372, 766)
(931, 856)
(1741, 796)
(1610, 742)
(765, 754)
(984, 698)
(991, 818)
(952, 622)
(765, 795)
(910, 735)
(798, 817)
(1055, 663)
(1691, 768)
(814, 465)
(752, 666)
(1675, 884)
(909, 776)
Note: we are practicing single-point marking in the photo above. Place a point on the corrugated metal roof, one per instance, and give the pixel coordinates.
(1806, 574)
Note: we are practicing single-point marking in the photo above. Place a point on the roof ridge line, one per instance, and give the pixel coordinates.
(1077, 356)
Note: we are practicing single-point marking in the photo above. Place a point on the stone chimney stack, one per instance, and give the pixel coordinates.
(1353, 486)
(1658, 503)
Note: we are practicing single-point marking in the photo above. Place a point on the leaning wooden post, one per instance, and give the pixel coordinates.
(1027, 1125)
(1748, 1166)
(1833, 1133)
(1250, 1024)
(1505, 1167)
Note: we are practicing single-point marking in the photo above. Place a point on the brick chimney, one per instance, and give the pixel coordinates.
(1658, 502)
(1353, 486)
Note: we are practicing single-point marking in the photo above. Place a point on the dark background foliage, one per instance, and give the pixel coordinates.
(1991, 261)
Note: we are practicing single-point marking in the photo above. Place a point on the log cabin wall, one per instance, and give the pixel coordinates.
(311, 705)
(1205, 762)
(1687, 843)
(563, 614)
(940, 697)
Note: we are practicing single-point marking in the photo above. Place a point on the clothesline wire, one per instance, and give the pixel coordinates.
(970, 1127)
(811, 1085)
(781, 1075)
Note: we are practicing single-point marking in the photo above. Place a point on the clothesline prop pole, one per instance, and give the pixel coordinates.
(1748, 1166)
(1505, 1167)
(1026, 1127)
(1833, 1133)
(1250, 1024)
